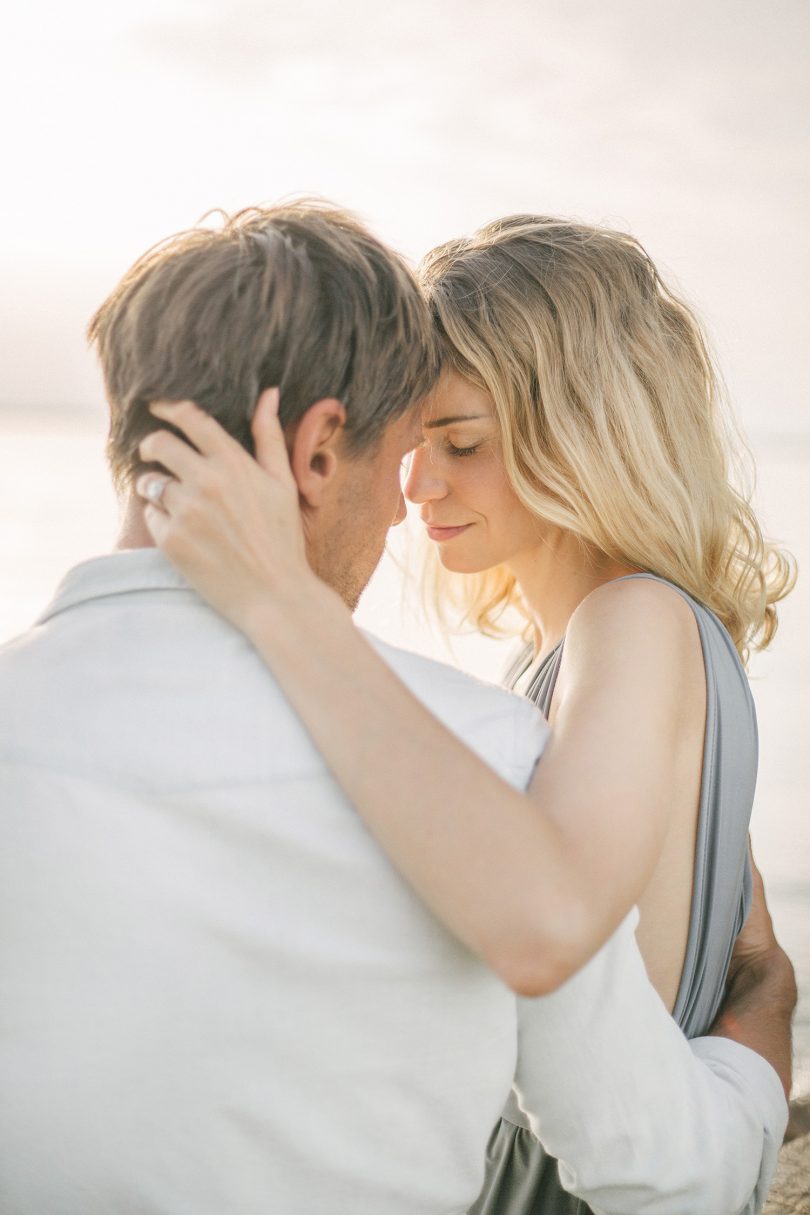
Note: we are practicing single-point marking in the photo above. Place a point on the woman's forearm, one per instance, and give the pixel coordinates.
(497, 873)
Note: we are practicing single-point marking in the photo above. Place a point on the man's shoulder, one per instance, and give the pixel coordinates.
(419, 669)
(19, 652)
(502, 727)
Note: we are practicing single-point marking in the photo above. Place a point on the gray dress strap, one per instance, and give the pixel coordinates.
(521, 1179)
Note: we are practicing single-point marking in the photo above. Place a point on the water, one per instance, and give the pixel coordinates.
(56, 508)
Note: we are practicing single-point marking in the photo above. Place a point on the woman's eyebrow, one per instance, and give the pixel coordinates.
(459, 417)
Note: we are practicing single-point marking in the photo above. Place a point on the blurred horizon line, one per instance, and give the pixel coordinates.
(797, 439)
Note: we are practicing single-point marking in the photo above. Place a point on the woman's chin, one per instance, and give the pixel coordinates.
(461, 563)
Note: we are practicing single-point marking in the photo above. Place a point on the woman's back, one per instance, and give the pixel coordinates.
(521, 1178)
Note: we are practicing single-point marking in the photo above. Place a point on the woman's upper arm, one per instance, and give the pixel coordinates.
(607, 776)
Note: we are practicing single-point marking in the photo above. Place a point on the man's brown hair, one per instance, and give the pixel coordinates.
(300, 296)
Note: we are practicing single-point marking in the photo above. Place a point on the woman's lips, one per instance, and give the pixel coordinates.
(446, 533)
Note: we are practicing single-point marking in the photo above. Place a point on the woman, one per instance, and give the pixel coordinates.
(574, 467)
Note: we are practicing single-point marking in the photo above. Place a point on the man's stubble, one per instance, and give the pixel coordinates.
(349, 549)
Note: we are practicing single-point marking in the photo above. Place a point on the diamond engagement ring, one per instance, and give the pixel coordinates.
(155, 488)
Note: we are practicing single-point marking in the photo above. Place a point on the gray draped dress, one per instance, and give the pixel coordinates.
(521, 1179)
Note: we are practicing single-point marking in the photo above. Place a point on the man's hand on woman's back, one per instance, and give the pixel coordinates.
(761, 990)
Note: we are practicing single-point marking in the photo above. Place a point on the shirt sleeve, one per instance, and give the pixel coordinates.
(641, 1120)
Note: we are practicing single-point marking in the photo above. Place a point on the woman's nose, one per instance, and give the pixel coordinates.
(423, 482)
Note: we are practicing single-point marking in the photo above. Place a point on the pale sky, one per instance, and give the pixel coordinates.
(683, 121)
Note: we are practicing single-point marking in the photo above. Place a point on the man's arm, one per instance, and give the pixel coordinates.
(761, 990)
(641, 1120)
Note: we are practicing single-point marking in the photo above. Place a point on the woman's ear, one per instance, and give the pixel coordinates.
(315, 451)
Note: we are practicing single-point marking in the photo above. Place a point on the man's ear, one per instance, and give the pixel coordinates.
(315, 448)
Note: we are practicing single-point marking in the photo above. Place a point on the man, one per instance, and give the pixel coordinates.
(217, 996)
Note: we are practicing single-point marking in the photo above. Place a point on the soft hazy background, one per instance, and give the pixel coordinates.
(683, 122)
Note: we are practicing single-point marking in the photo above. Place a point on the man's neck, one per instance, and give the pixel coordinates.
(133, 533)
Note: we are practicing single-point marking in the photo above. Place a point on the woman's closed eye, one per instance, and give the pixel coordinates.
(462, 451)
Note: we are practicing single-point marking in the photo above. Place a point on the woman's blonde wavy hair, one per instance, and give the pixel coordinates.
(610, 415)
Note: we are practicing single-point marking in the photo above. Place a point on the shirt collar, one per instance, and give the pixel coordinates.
(120, 573)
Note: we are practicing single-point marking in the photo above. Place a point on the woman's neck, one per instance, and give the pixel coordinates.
(555, 577)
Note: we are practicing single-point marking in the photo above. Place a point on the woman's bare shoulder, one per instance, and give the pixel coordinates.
(640, 630)
(643, 609)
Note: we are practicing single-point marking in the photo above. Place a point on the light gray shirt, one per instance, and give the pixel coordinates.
(216, 994)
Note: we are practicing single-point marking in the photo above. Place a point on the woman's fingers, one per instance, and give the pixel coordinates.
(268, 436)
(205, 432)
(156, 520)
(230, 523)
(162, 447)
(155, 489)
(216, 484)
(210, 439)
